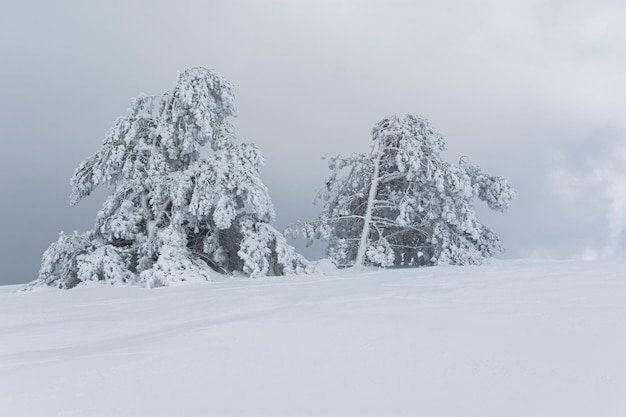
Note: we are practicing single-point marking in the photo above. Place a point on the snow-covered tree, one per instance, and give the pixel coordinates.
(173, 215)
(402, 205)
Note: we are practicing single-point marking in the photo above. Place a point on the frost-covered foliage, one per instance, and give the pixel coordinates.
(402, 205)
(173, 216)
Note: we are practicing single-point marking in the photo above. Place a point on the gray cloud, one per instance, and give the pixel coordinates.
(530, 90)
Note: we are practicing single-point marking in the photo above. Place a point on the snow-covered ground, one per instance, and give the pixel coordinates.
(513, 338)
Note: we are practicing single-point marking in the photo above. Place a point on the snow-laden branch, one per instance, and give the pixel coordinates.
(401, 204)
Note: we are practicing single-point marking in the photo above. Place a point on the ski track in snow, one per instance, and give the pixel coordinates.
(511, 338)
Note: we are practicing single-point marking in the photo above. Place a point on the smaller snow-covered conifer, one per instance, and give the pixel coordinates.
(402, 205)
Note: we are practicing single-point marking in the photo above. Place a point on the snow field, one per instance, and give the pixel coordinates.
(513, 338)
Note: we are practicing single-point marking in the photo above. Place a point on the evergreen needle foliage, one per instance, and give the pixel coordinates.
(402, 205)
(173, 215)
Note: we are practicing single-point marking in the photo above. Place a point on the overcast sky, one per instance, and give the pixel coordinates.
(530, 90)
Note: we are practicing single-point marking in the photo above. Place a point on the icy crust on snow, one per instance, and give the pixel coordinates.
(512, 338)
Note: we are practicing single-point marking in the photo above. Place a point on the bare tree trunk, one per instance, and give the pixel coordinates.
(367, 217)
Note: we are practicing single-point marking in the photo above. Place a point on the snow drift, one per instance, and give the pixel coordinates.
(514, 338)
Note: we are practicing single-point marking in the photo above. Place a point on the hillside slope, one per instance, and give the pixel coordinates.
(514, 338)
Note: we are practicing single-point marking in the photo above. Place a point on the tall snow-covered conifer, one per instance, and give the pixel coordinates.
(402, 205)
(173, 215)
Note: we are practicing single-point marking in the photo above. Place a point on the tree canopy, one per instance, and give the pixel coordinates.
(173, 215)
(401, 204)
